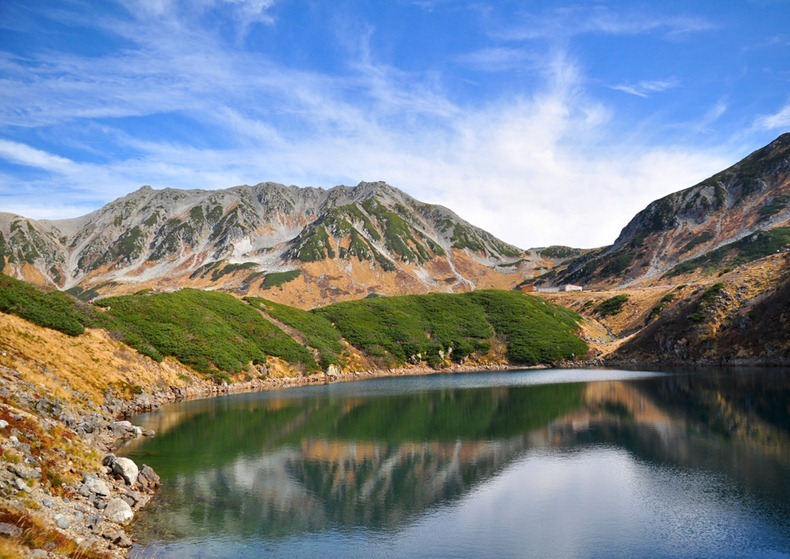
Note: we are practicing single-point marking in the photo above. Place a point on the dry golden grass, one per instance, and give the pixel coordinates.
(83, 367)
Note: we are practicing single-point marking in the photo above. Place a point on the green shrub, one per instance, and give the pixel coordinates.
(212, 332)
(51, 309)
(399, 329)
(276, 279)
(318, 331)
(755, 246)
(612, 306)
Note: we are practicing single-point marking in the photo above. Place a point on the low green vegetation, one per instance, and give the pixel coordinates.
(276, 279)
(747, 249)
(317, 330)
(659, 308)
(232, 268)
(212, 332)
(51, 309)
(700, 239)
(412, 327)
(612, 306)
(707, 299)
(438, 327)
(466, 238)
(618, 263)
(559, 252)
(775, 206)
(534, 330)
(312, 245)
(220, 335)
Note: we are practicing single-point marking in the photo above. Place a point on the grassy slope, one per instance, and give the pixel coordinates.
(397, 329)
(207, 330)
(218, 334)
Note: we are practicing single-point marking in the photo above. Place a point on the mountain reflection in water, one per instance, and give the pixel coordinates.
(271, 467)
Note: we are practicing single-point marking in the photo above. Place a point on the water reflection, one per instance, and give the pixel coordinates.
(288, 470)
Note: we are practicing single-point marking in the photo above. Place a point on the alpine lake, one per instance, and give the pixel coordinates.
(535, 463)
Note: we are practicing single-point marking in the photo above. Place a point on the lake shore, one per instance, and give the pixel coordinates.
(76, 513)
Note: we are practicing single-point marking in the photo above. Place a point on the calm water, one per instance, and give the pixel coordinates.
(566, 463)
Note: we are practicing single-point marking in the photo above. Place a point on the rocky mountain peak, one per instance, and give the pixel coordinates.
(372, 234)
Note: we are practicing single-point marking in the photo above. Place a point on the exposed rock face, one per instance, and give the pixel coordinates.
(750, 198)
(252, 238)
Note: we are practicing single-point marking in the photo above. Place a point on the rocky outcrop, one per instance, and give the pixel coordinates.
(736, 215)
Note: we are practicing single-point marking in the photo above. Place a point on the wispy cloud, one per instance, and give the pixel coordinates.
(30, 157)
(499, 59)
(503, 165)
(563, 22)
(779, 119)
(645, 88)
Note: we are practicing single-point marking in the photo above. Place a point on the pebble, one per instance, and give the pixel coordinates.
(62, 521)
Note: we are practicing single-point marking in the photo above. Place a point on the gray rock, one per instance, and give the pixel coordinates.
(48, 501)
(62, 521)
(39, 554)
(92, 484)
(10, 530)
(148, 479)
(125, 429)
(93, 522)
(25, 472)
(118, 511)
(134, 496)
(109, 460)
(21, 485)
(127, 469)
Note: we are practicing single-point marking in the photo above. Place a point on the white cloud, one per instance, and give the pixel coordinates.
(25, 155)
(545, 167)
(558, 24)
(498, 59)
(780, 119)
(645, 88)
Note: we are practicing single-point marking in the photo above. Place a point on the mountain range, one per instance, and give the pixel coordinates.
(310, 246)
(315, 245)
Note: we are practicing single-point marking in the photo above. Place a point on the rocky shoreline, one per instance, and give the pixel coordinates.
(64, 491)
(66, 494)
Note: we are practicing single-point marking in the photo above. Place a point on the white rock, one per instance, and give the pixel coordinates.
(118, 511)
(127, 469)
(3, 423)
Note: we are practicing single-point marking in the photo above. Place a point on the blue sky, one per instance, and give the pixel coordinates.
(542, 122)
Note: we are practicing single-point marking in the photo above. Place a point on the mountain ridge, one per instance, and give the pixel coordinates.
(751, 196)
(375, 234)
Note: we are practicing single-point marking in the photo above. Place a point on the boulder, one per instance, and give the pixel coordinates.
(148, 480)
(118, 511)
(126, 469)
(92, 484)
